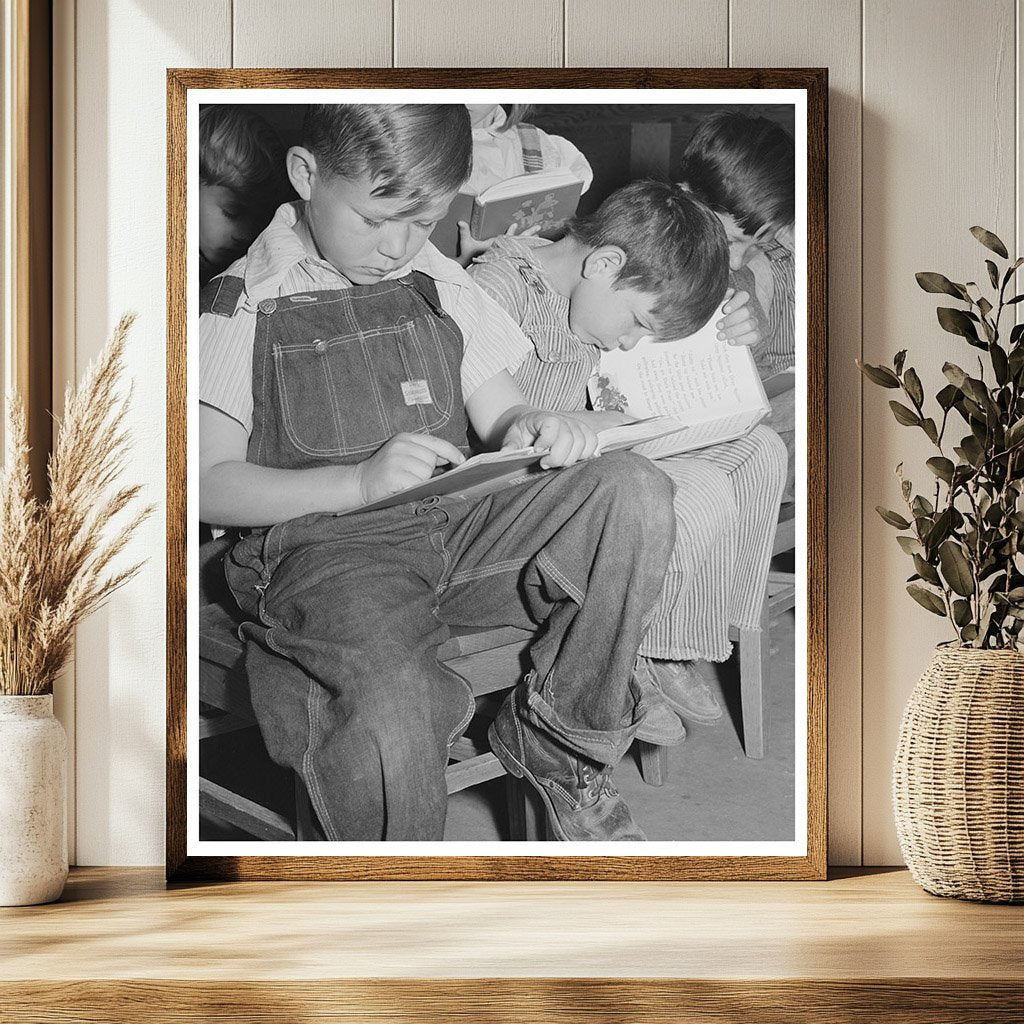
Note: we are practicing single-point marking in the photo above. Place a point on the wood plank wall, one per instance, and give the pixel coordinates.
(924, 131)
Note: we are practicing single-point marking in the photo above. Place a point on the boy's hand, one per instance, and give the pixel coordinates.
(566, 440)
(470, 247)
(739, 325)
(405, 460)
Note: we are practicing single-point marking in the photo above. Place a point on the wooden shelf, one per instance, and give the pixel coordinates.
(865, 945)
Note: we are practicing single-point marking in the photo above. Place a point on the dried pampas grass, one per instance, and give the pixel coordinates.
(56, 557)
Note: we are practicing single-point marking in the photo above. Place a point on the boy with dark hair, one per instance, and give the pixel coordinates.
(743, 168)
(652, 261)
(341, 361)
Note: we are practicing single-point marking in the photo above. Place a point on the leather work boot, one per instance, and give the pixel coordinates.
(684, 690)
(659, 724)
(580, 800)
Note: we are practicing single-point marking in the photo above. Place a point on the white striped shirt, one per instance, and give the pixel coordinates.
(283, 261)
(770, 278)
(555, 371)
(726, 497)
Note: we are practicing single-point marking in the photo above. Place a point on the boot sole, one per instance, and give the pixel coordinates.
(515, 767)
(661, 739)
(684, 713)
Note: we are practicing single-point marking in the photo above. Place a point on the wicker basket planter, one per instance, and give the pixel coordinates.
(958, 776)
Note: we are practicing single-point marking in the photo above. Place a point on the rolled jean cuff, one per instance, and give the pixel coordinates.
(606, 746)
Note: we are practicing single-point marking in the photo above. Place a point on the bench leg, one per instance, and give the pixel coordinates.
(755, 658)
(653, 763)
(527, 821)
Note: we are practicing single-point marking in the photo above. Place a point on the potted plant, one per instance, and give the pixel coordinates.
(56, 566)
(958, 778)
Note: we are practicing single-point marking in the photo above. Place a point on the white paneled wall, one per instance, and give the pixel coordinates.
(939, 156)
(924, 130)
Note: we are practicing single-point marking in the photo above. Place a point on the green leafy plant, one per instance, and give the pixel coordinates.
(966, 536)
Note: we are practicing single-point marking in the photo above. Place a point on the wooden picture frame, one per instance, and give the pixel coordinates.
(192, 857)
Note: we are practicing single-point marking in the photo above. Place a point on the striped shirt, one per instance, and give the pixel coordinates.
(726, 496)
(555, 371)
(770, 277)
(283, 261)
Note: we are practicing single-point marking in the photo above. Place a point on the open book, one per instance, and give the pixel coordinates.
(709, 388)
(491, 471)
(543, 199)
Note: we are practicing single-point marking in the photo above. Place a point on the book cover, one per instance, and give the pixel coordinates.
(543, 199)
(492, 471)
(710, 388)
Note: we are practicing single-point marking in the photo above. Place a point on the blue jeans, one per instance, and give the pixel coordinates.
(350, 611)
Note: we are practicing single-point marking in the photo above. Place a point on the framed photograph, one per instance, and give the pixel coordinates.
(496, 474)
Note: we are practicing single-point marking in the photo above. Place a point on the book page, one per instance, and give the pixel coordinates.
(700, 435)
(489, 470)
(692, 379)
(629, 435)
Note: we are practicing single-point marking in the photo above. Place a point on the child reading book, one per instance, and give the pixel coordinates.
(506, 149)
(652, 261)
(742, 167)
(342, 360)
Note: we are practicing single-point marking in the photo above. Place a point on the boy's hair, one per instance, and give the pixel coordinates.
(743, 166)
(675, 248)
(415, 151)
(241, 151)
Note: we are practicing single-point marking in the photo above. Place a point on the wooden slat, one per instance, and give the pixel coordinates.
(258, 821)
(462, 644)
(312, 33)
(656, 33)
(488, 671)
(472, 771)
(470, 34)
(939, 156)
(804, 33)
(220, 725)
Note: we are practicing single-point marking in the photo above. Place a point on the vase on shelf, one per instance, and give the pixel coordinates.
(958, 776)
(33, 801)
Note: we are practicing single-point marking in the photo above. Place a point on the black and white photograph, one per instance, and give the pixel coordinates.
(498, 465)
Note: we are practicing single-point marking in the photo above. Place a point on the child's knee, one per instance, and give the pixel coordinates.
(774, 453)
(640, 493)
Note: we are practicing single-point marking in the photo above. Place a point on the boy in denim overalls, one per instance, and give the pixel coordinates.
(342, 360)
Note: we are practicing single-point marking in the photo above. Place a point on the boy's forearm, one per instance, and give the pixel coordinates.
(243, 494)
(500, 426)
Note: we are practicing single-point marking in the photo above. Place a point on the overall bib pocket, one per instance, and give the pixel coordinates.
(347, 395)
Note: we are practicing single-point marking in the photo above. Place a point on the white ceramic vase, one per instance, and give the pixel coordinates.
(33, 804)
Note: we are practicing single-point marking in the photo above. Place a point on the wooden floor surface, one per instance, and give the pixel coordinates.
(862, 946)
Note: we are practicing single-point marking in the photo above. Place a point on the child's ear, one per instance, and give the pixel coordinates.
(604, 262)
(301, 166)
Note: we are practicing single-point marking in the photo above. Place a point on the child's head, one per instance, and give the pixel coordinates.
(241, 179)
(743, 168)
(377, 179)
(655, 263)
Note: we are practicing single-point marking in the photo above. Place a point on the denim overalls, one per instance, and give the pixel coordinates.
(348, 611)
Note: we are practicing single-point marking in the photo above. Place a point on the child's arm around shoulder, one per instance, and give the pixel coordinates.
(233, 492)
